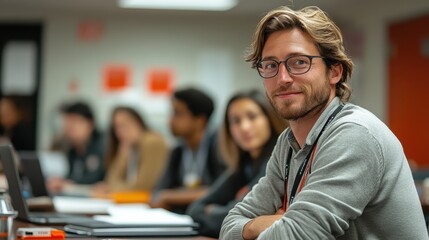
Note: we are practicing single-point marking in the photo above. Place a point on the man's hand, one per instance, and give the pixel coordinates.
(253, 228)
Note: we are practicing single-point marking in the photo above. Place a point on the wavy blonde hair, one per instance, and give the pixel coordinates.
(323, 31)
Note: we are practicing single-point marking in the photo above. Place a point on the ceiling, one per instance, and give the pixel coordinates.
(245, 7)
(339, 9)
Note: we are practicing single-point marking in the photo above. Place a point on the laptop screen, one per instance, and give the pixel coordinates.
(32, 170)
(8, 160)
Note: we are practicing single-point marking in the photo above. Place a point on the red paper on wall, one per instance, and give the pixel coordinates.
(160, 81)
(90, 31)
(116, 77)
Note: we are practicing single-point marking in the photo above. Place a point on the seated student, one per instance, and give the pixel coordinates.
(248, 136)
(84, 151)
(135, 155)
(15, 122)
(194, 164)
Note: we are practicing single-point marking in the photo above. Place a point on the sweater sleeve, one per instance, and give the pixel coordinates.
(152, 157)
(153, 154)
(115, 175)
(345, 176)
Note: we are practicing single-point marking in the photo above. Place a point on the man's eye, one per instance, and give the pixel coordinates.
(298, 62)
(269, 65)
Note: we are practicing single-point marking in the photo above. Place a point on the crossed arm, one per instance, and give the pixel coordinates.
(259, 224)
(325, 205)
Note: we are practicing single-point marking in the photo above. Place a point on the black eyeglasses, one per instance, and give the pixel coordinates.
(296, 65)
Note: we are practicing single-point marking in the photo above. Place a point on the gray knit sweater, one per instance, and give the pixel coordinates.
(360, 186)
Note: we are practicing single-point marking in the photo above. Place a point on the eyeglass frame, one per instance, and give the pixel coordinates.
(310, 57)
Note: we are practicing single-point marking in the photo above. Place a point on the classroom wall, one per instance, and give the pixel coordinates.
(371, 20)
(207, 53)
(203, 51)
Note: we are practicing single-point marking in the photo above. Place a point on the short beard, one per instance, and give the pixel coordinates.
(312, 105)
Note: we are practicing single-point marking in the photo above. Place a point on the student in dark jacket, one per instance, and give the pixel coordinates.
(247, 139)
(16, 122)
(84, 149)
(194, 164)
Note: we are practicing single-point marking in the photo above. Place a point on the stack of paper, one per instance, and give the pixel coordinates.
(79, 205)
(142, 214)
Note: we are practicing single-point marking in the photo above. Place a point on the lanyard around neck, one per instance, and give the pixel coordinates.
(303, 168)
(194, 162)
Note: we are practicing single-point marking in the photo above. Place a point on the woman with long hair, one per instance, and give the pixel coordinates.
(135, 154)
(247, 138)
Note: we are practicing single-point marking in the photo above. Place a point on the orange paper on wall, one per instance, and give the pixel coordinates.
(160, 81)
(116, 78)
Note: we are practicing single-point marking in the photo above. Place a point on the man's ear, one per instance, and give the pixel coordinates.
(335, 73)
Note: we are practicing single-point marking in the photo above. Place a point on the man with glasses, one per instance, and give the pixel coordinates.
(338, 172)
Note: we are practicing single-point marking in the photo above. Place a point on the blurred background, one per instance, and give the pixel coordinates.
(55, 51)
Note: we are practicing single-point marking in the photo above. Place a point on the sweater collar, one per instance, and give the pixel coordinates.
(315, 130)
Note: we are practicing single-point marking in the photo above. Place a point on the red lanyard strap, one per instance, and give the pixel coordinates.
(303, 168)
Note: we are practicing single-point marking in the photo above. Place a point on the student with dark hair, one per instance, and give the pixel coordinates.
(84, 148)
(16, 122)
(194, 164)
(135, 154)
(247, 138)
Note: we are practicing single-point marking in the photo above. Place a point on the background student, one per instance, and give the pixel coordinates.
(135, 155)
(247, 138)
(194, 163)
(84, 148)
(15, 122)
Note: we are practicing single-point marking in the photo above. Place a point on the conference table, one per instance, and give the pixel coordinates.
(17, 224)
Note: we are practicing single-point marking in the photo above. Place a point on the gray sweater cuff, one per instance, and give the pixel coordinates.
(237, 232)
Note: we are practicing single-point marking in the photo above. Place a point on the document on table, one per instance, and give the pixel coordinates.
(141, 214)
(81, 205)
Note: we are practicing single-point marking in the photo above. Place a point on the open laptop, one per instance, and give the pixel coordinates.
(31, 169)
(8, 160)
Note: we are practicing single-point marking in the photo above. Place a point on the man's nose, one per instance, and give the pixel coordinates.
(283, 75)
